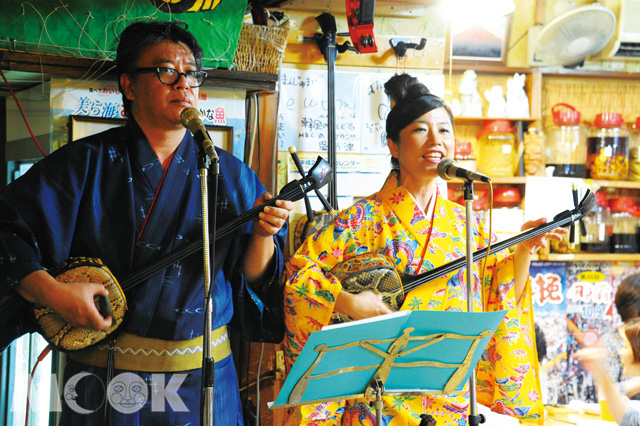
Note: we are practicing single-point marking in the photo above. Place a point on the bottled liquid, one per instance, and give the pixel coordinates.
(599, 227)
(534, 152)
(566, 149)
(634, 152)
(496, 149)
(623, 239)
(464, 155)
(565, 246)
(636, 214)
(608, 148)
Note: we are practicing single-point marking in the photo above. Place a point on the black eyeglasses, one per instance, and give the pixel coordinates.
(170, 76)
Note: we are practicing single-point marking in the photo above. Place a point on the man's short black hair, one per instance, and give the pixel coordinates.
(141, 35)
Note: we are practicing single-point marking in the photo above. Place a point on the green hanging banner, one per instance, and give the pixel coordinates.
(91, 29)
(182, 6)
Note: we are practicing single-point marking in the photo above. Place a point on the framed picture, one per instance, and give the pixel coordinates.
(81, 126)
(484, 41)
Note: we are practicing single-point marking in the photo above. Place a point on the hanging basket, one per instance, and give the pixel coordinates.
(260, 48)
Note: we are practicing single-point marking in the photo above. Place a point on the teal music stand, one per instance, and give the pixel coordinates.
(403, 353)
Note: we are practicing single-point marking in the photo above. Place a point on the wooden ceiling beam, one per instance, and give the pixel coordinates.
(85, 68)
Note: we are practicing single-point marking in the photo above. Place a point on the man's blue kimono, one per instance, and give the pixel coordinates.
(92, 198)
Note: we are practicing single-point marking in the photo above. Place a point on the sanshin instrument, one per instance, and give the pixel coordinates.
(376, 272)
(14, 314)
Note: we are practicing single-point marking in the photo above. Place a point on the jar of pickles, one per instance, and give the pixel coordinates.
(496, 149)
(566, 148)
(608, 148)
(634, 151)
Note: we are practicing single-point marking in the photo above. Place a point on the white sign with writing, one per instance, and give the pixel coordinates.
(361, 108)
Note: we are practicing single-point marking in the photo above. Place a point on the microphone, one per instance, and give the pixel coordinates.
(192, 120)
(448, 169)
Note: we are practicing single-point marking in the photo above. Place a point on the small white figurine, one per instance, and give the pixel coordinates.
(470, 99)
(517, 101)
(497, 104)
(452, 103)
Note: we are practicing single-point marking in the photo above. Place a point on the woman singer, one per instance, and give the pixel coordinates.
(411, 223)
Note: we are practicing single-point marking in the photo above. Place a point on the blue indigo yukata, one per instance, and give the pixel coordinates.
(91, 198)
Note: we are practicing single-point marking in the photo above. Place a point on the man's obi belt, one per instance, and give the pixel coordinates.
(135, 353)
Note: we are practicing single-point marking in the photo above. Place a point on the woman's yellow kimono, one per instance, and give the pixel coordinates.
(390, 222)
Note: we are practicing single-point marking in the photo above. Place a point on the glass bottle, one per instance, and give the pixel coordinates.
(634, 151)
(534, 152)
(496, 149)
(464, 155)
(566, 148)
(565, 246)
(599, 227)
(623, 239)
(608, 148)
(636, 214)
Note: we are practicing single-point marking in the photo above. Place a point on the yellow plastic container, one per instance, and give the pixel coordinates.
(496, 149)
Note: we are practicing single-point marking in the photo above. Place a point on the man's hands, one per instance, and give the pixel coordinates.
(72, 301)
(272, 219)
(260, 249)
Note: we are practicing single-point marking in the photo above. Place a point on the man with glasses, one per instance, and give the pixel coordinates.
(130, 196)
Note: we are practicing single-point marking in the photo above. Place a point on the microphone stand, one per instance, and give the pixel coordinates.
(206, 401)
(474, 418)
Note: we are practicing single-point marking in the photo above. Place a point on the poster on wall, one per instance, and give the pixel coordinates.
(222, 108)
(574, 307)
(361, 108)
(548, 284)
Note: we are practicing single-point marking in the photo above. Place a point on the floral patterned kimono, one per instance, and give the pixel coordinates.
(390, 222)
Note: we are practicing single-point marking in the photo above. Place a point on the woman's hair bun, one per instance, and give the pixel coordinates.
(400, 86)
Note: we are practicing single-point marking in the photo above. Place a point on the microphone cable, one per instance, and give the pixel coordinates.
(41, 357)
(484, 265)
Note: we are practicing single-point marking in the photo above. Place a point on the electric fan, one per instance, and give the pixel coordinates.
(569, 38)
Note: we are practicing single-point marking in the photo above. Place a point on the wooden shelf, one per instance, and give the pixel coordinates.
(596, 257)
(483, 67)
(386, 8)
(483, 119)
(516, 180)
(67, 66)
(565, 72)
(615, 184)
(521, 180)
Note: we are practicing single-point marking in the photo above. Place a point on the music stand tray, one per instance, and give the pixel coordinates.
(403, 353)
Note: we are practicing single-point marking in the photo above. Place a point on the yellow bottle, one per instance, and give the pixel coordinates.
(605, 414)
(496, 149)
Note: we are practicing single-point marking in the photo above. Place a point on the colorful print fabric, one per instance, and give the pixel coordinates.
(391, 223)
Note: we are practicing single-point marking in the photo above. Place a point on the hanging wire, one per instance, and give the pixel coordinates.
(24, 117)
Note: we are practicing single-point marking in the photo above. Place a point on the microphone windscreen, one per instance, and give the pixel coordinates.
(443, 166)
(191, 119)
